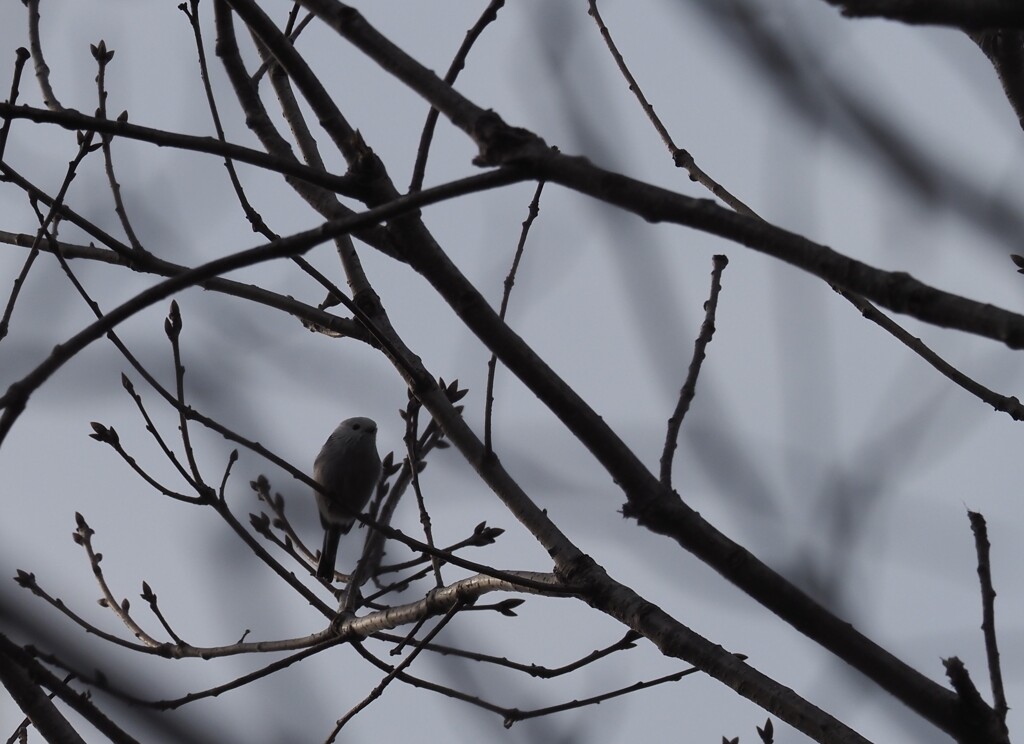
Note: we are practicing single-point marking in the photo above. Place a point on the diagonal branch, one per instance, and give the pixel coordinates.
(75, 120)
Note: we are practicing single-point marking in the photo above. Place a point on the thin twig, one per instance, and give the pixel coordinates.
(172, 327)
(21, 56)
(245, 679)
(276, 503)
(482, 535)
(1007, 404)
(83, 536)
(680, 157)
(689, 389)
(27, 580)
(149, 596)
(628, 641)
(292, 31)
(255, 219)
(489, 15)
(85, 147)
(42, 70)
(373, 550)
(109, 436)
(427, 685)
(988, 613)
(382, 511)
(261, 553)
(511, 715)
(399, 585)
(75, 121)
(510, 280)
(512, 577)
(411, 416)
(151, 427)
(410, 636)
(521, 715)
(103, 58)
(377, 691)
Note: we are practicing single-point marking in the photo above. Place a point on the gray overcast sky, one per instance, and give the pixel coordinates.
(815, 439)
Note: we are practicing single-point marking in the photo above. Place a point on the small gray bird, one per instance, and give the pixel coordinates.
(348, 468)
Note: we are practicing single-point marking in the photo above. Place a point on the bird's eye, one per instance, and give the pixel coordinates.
(355, 427)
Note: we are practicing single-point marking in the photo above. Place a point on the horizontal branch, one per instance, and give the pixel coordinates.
(159, 267)
(967, 14)
(77, 121)
(439, 601)
(895, 290)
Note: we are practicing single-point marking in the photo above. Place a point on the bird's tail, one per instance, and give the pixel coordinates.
(328, 554)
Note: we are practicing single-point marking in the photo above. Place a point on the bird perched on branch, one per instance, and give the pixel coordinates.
(347, 469)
